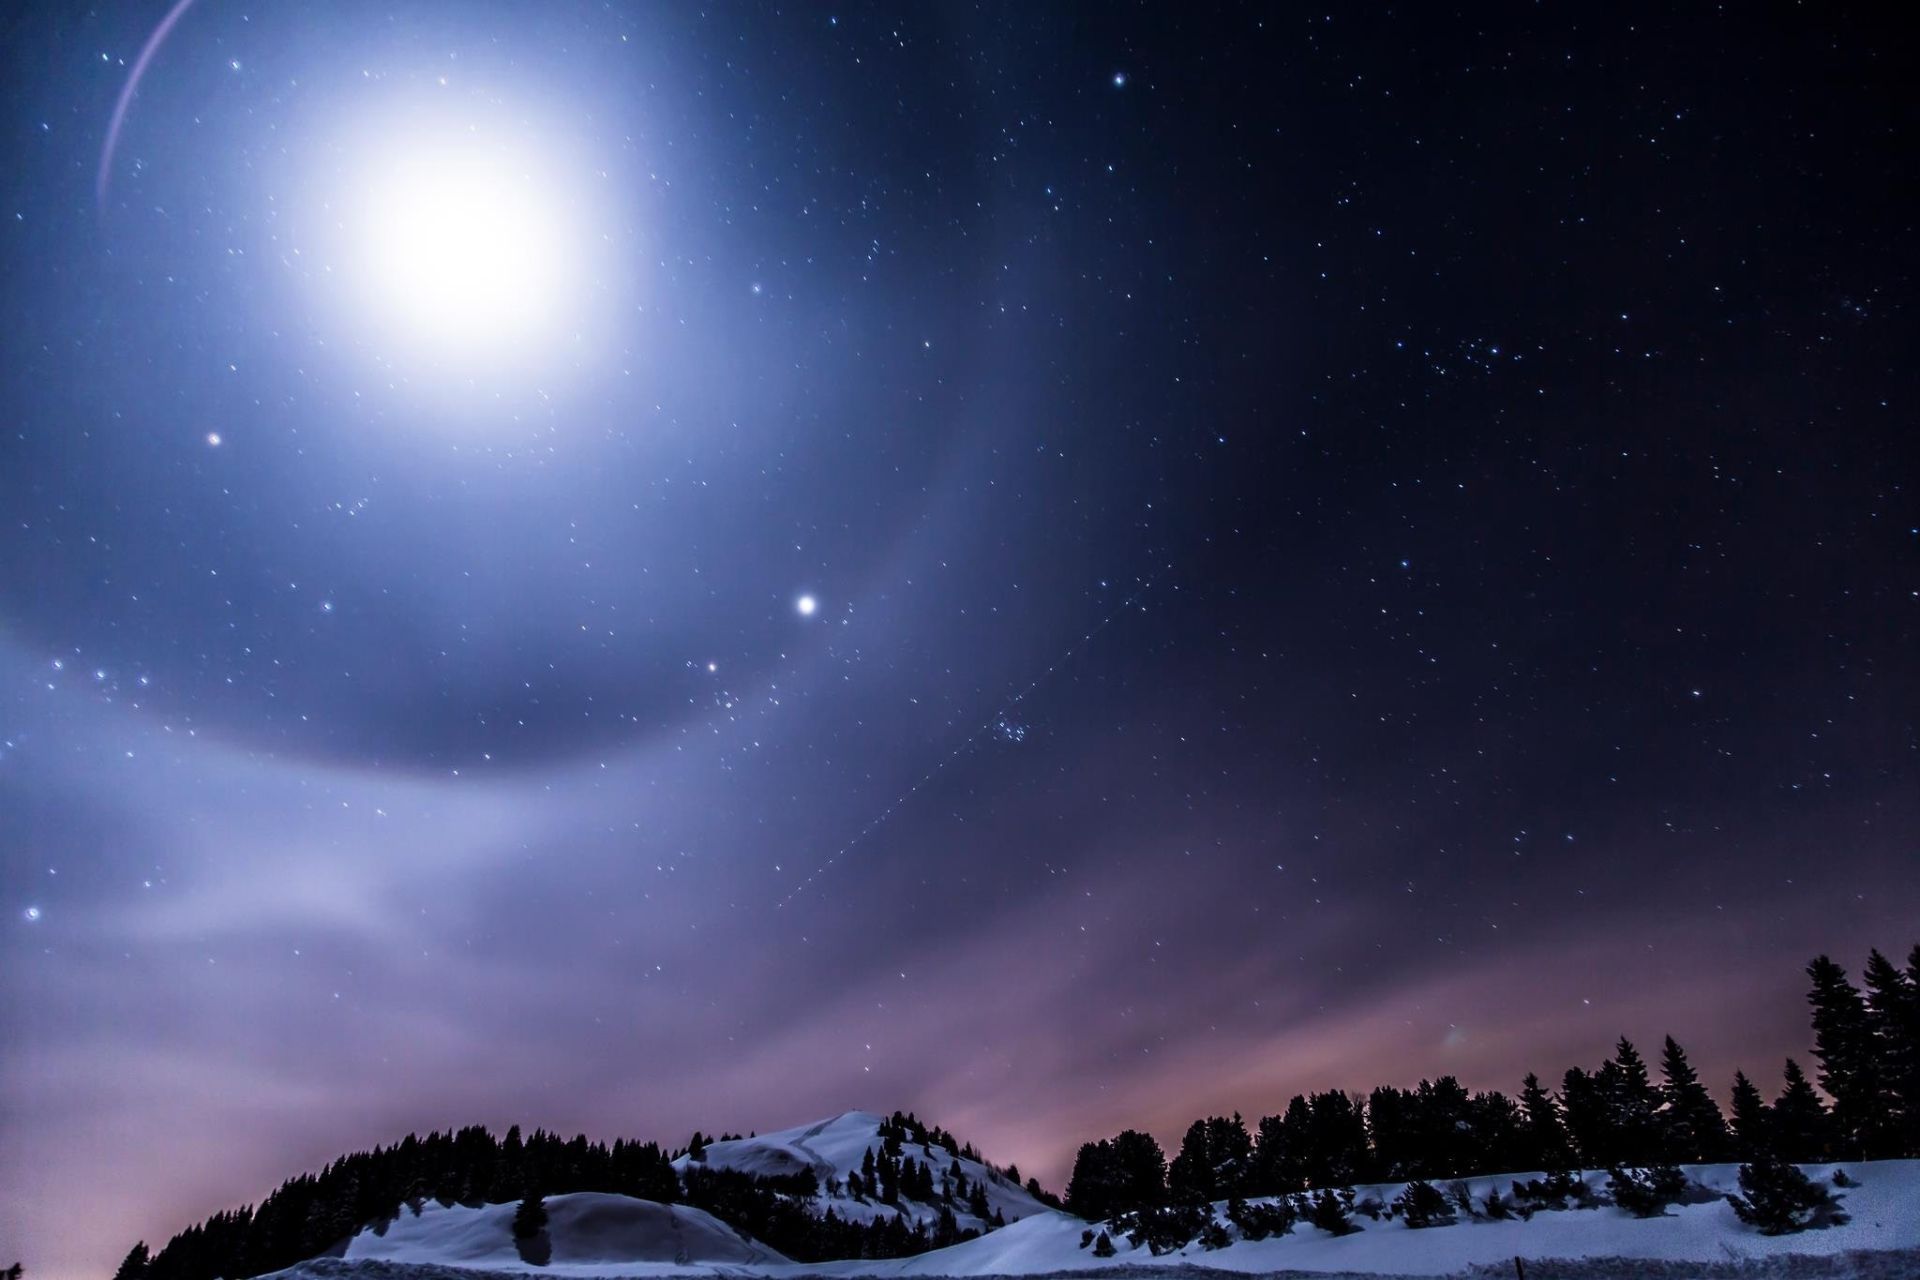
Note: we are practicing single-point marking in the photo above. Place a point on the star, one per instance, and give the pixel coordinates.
(806, 605)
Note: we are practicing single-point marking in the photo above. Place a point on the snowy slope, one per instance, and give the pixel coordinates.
(1885, 1209)
(609, 1236)
(584, 1228)
(834, 1148)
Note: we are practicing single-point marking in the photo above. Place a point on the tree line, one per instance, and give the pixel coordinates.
(1866, 1045)
(312, 1213)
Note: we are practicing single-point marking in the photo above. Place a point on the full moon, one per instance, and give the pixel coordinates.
(463, 244)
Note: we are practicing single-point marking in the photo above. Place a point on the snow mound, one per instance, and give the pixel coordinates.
(583, 1228)
(835, 1147)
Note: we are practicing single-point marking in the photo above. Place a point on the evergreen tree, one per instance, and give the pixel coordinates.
(1493, 1137)
(134, 1267)
(1421, 1204)
(1849, 1064)
(1328, 1212)
(1802, 1128)
(1214, 1160)
(1190, 1174)
(1116, 1176)
(1778, 1198)
(1632, 1105)
(1752, 1120)
(1142, 1168)
(1893, 1020)
(1588, 1121)
(1696, 1132)
(1543, 1141)
(530, 1219)
(1277, 1168)
(1335, 1150)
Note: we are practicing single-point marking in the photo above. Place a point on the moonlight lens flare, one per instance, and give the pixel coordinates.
(459, 246)
(952, 587)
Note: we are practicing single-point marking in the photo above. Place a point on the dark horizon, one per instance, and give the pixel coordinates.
(633, 571)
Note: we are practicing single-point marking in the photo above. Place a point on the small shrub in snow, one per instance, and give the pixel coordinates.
(1103, 1246)
(1258, 1221)
(1553, 1192)
(1215, 1235)
(1779, 1199)
(530, 1232)
(1086, 1237)
(1422, 1205)
(1462, 1196)
(1840, 1179)
(1165, 1228)
(1495, 1207)
(1328, 1212)
(1646, 1193)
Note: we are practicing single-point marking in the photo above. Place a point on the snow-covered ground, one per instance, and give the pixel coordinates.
(1885, 1211)
(590, 1233)
(612, 1236)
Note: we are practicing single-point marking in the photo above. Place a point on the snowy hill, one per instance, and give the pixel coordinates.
(583, 1228)
(835, 1152)
(608, 1236)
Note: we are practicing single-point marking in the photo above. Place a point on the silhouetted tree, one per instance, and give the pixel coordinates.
(1752, 1120)
(1543, 1141)
(1850, 1066)
(1802, 1128)
(134, 1265)
(1117, 1176)
(1214, 1160)
(1695, 1131)
(1893, 1025)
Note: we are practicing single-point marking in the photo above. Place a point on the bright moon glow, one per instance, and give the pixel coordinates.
(463, 243)
(806, 605)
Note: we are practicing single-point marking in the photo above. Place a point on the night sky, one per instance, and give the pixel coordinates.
(632, 568)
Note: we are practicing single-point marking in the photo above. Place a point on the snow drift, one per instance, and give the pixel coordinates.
(583, 1228)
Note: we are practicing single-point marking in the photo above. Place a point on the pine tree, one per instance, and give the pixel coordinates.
(1543, 1142)
(1752, 1120)
(1849, 1066)
(1778, 1198)
(1588, 1122)
(1336, 1152)
(134, 1267)
(530, 1219)
(1696, 1132)
(1802, 1128)
(1276, 1163)
(1893, 1020)
(1632, 1103)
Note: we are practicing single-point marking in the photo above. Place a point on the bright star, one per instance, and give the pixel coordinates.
(1119, 79)
(806, 605)
(32, 914)
(213, 438)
